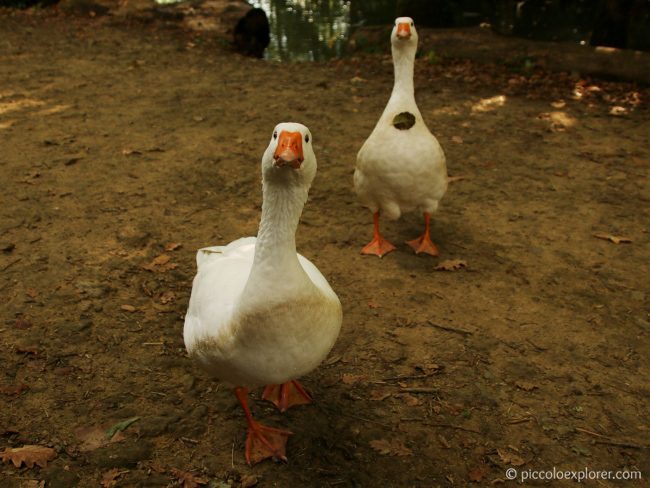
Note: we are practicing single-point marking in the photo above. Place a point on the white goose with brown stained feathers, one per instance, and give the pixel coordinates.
(259, 313)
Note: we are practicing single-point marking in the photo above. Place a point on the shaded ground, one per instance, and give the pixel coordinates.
(117, 144)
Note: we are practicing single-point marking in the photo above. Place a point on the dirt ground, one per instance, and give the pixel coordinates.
(124, 148)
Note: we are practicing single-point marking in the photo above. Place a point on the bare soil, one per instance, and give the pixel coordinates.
(124, 148)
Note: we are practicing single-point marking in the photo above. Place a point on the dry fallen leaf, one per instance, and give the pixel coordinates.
(167, 297)
(614, 239)
(187, 479)
(558, 104)
(94, 437)
(128, 308)
(510, 458)
(477, 474)
(172, 246)
(451, 265)
(373, 304)
(160, 263)
(22, 323)
(248, 481)
(410, 400)
(394, 447)
(351, 379)
(525, 385)
(378, 395)
(457, 139)
(29, 455)
(13, 390)
(109, 479)
(617, 110)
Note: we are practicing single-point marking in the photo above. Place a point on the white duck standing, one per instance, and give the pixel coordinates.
(401, 166)
(259, 313)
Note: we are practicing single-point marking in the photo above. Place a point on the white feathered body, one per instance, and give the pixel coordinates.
(401, 170)
(258, 339)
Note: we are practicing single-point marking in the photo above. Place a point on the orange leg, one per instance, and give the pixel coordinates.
(286, 395)
(378, 246)
(423, 243)
(262, 442)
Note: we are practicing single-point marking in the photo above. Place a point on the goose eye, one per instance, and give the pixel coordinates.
(275, 135)
(411, 24)
(306, 137)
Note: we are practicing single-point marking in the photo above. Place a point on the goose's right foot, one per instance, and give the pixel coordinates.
(378, 246)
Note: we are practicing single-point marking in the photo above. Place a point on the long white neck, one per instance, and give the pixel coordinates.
(275, 248)
(402, 97)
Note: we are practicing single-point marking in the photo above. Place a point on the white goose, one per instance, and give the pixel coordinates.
(259, 313)
(401, 166)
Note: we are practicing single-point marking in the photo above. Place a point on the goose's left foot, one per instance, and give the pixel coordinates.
(286, 395)
(423, 244)
(262, 442)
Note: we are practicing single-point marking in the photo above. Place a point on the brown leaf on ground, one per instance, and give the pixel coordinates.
(27, 350)
(394, 447)
(410, 400)
(128, 308)
(525, 385)
(373, 304)
(94, 437)
(187, 479)
(248, 481)
(28, 455)
(612, 238)
(109, 479)
(510, 458)
(160, 263)
(351, 379)
(477, 474)
(22, 323)
(172, 246)
(451, 265)
(13, 390)
(378, 395)
(167, 297)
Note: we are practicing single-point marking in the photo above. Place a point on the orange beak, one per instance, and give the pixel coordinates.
(289, 150)
(404, 30)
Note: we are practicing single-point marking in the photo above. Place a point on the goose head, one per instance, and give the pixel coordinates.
(290, 155)
(404, 35)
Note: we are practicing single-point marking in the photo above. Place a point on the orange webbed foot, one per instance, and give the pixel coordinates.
(423, 244)
(378, 247)
(265, 442)
(286, 395)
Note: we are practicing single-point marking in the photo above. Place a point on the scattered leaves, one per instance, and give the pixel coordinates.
(525, 385)
(187, 479)
(167, 297)
(378, 395)
(22, 323)
(451, 265)
(109, 479)
(172, 246)
(128, 308)
(559, 121)
(394, 447)
(612, 238)
(617, 110)
(28, 455)
(160, 263)
(457, 139)
(489, 104)
(248, 481)
(508, 457)
(410, 400)
(94, 437)
(477, 474)
(14, 390)
(351, 379)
